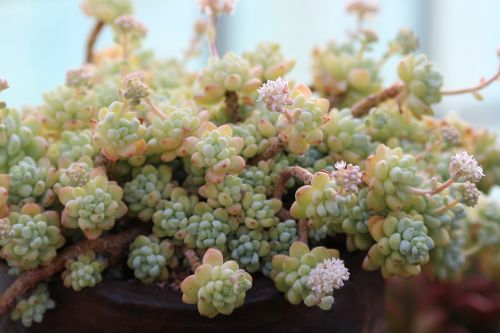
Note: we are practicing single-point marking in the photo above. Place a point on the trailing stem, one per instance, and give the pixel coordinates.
(232, 106)
(94, 33)
(295, 171)
(482, 84)
(364, 106)
(274, 149)
(191, 257)
(436, 190)
(302, 230)
(114, 245)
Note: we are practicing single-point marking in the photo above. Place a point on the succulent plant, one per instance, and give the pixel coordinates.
(71, 146)
(67, 108)
(389, 172)
(339, 72)
(93, 207)
(295, 275)
(322, 201)
(17, 140)
(259, 211)
(422, 82)
(33, 239)
(228, 194)
(402, 244)
(229, 73)
(217, 286)
(31, 309)
(209, 227)
(247, 247)
(149, 258)
(143, 193)
(271, 63)
(107, 10)
(84, 272)
(171, 216)
(119, 134)
(216, 152)
(345, 137)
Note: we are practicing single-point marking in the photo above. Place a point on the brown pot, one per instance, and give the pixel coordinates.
(129, 306)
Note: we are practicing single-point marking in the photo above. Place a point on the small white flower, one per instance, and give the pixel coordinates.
(347, 176)
(327, 276)
(78, 77)
(128, 23)
(275, 95)
(451, 136)
(3, 84)
(466, 166)
(217, 7)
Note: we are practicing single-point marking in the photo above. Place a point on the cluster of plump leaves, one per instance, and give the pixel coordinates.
(290, 274)
(84, 272)
(31, 309)
(35, 235)
(217, 286)
(149, 258)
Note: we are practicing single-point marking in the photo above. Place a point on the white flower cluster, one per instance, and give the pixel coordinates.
(217, 7)
(463, 165)
(347, 176)
(327, 276)
(275, 95)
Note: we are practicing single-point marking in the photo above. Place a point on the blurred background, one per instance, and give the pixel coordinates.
(42, 39)
(460, 36)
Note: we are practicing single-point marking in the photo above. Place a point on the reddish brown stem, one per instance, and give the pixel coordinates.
(274, 149)
(94, 33)
(284, 214)
(362, 107)
(302, 230)
(232, 106)
(294, 171)
(114, 245)
(483, 84)
(192, 257)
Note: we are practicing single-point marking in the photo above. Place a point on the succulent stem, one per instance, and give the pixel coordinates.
(364, 106)
(192, 257)
(482, 84)
(114, 245)
(274, 149)
(444, 208)
(436, 190)
(232, 105)
(94, 33)
(154, 108)
(295, 171)
(302, 230)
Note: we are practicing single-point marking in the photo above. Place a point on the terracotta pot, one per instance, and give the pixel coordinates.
(129, 306)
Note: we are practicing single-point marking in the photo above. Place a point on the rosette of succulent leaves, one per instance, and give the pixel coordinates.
(141, 157)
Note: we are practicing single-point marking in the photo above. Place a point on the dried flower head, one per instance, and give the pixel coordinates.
(275, 95)
(361, 8)
(217, 7)
(470, 194)
(347, 176)
(451, 137)
(128, 23)
(78, 77)
(77, 174)
(135, 88)
(4, 228)
(463, 165)
(327, 276)
(3, 84)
